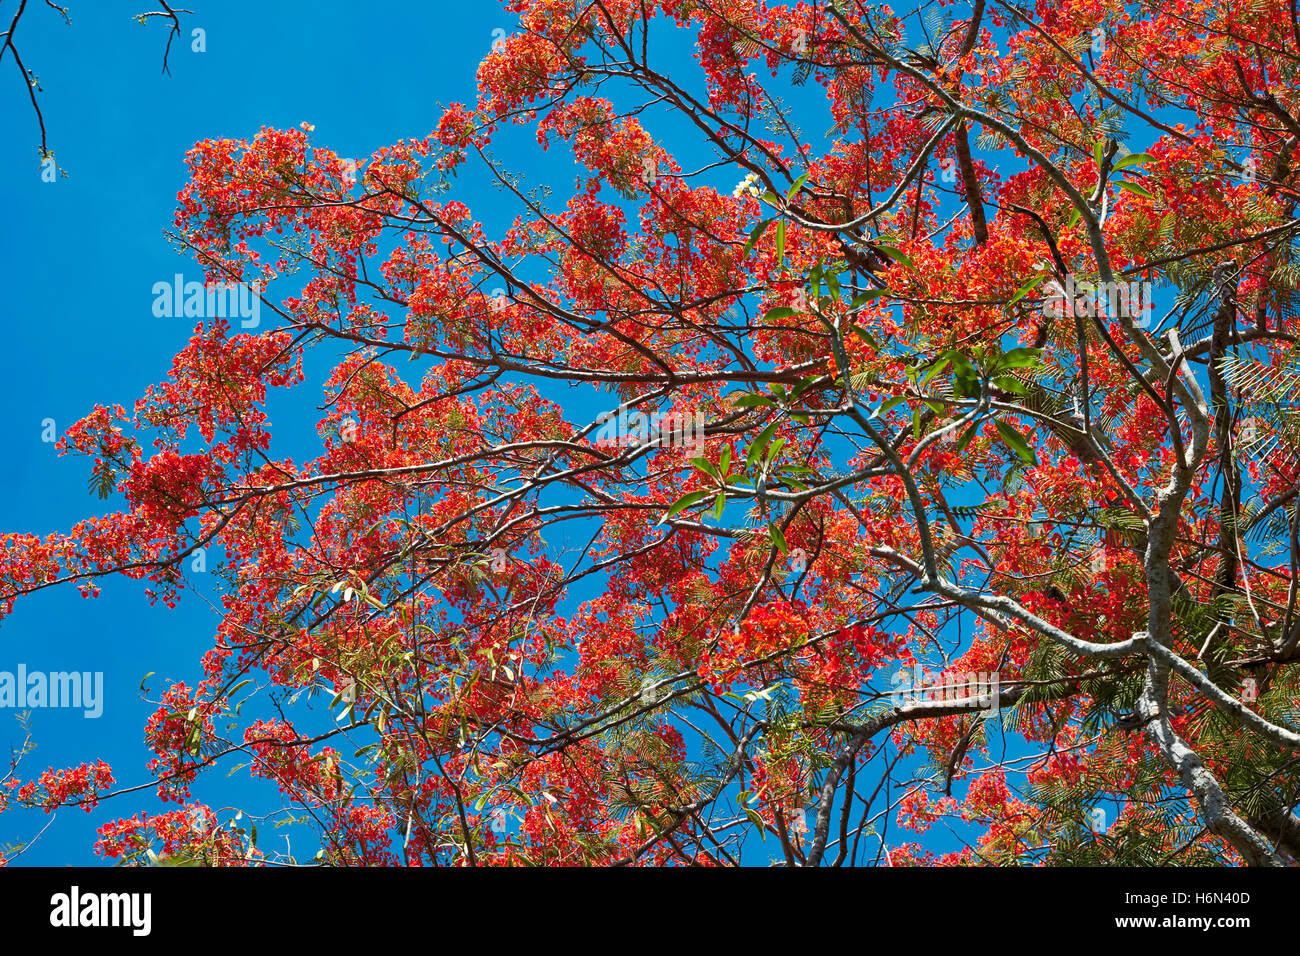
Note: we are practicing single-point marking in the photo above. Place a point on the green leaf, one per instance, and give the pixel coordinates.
(754, 401)
(780, 242)
(902, 258)
(862, 298)
(967, 436)
(1022, 357)
(756, 234)
(780, 312)
(1010, 384)
(934, 370)
(756, 449)
(706, 466)
(1016, 442)
(798, 185)
(802, 386)
(1133, 188)
(866, 336)
(966, 379)
(966, 386)
(778, 538)
(685, 501)
(1098, 152)
(886, 405)
(719, 503)
(1025, 289)
(833, 284)
(1133, 159)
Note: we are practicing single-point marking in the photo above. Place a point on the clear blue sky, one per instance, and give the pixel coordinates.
(81, 255)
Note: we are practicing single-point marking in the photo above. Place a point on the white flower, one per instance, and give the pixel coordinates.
(747, 187)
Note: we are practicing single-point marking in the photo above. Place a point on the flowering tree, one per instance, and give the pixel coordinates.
(943, 471)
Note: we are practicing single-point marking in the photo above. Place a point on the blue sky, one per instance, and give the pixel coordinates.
(80, 256)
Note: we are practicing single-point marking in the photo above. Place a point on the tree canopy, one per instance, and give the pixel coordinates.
(882, 449)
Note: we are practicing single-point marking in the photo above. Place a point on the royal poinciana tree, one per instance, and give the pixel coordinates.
(994, 377)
